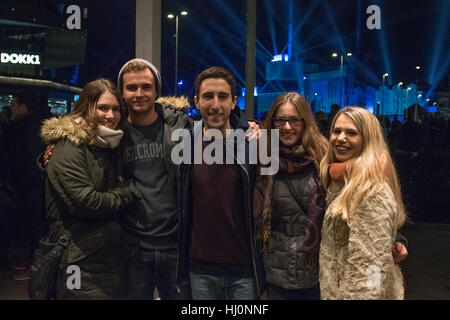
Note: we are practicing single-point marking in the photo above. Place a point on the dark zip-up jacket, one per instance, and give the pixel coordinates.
(135, 222)
(238, 120)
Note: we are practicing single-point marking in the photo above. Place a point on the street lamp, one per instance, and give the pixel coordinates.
(418, 68)
(171, 16)
(385, 76)
(335, 55)
(382, 91)
(415, 107)
(407, 91)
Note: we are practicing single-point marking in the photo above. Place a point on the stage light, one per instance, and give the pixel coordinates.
(417, 67)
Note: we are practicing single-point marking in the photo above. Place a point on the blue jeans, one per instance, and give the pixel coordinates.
(207, 287)
(147, 269)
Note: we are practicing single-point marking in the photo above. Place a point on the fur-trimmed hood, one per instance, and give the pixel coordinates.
(181, 102)
(58, 128)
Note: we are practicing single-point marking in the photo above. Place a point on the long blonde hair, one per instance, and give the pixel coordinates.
(313, 141)
(367, 172)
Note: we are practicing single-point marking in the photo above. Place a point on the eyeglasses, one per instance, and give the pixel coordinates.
(280, 121)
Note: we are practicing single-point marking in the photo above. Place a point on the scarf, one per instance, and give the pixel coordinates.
(108, 138)
(337, 170)
(292, 160)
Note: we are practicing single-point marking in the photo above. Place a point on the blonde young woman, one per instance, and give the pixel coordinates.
(289, 206)
(364, 211)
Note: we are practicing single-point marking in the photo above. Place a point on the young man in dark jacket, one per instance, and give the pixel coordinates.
(150, 226)
(217, 244)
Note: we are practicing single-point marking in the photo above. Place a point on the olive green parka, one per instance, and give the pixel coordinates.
(82, 195)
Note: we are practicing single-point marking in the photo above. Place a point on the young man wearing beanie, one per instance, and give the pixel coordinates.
(150, 226)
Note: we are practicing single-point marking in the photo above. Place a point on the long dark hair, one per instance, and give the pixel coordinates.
(86, 106)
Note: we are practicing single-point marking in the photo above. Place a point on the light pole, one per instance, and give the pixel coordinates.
(415, 107)
(417, 75)
(382, 89)
(400, 100)
(171, 16)
(385, 76)
(335, 55)
(407, 91)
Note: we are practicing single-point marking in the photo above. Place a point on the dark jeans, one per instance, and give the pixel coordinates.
(207, 287)
(147, 269)
(278, 293)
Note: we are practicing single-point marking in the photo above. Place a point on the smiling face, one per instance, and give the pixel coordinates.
(108, 110)
(290, 123)
(346, 140)
(215, 103)
(139, 91)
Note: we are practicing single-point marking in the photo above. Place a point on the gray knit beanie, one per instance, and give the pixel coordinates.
(152, 68)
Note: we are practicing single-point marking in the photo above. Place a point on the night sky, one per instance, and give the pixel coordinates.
(414, 32)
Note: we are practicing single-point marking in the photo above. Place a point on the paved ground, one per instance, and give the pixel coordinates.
(427, 267)
(428, 264)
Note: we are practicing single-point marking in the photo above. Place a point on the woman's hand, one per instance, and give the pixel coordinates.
(48, 154)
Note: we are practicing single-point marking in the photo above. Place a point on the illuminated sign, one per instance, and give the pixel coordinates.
(280, 57)
(19, 58)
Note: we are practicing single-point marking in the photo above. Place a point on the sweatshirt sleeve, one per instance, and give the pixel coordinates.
(372, 229)
(68, 174)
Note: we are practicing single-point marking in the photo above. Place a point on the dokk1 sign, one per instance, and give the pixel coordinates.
(19, 58)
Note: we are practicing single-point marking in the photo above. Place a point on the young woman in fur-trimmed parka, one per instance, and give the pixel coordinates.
(364, 211)
(83, 193)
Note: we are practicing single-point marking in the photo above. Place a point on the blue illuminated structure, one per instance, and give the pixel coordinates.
(364, 78)
(322, 89)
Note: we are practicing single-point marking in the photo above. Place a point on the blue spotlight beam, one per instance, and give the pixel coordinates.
(269, 13)
(335, 28)
(441, 73)
(442, 26)
(383, 45)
